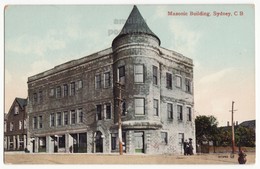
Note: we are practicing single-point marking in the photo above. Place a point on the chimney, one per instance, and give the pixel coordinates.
(236, 123)
(228, 123)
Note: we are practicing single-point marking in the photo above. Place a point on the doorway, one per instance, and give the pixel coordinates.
(139, 142)
(99, 142)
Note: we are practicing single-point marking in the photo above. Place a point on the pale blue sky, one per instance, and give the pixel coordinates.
(38, 38)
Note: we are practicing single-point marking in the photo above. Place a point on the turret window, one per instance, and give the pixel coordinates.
(155, 75)
(121, 75)
(139, 73)
(139, 106)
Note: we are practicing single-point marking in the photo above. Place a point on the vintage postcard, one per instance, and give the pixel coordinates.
(129, 84)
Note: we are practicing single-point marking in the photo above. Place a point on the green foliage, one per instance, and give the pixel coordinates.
(245, 136)
(206, 128)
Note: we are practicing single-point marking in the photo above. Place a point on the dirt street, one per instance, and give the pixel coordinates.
(22, 158)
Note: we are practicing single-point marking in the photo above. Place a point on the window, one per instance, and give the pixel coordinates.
(188, 85)
(42, 144)
(35, 122)
(34, 98)
(155, 107)
(11, 126)
(66, 118)
(52, 92)
(179, 112)
(164, 136)
(98, 115)
(98, 81)
(24, 124)
(58, 92)
(16, 110)
(181, 138)
(73, 117)
(20, 125)
(155, 75)
(72, 88)
(178, 81)
(121, 75)
(21, 145)
(65, 90)
(40, 96)
(108, 110)
(40, 122)
(188, 113)
(80, 84)
(80, 113)
(107, 80)
(11, 143)
(52, 120)
(113, 141)
(170, 110)
(62, 141)
(139, 73)
(58, 118)
(139, 106)
(124, 107)
(5, 127)
(168, 80)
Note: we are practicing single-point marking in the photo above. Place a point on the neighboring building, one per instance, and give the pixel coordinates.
(248, 124)
(15, 132)
(74, 108)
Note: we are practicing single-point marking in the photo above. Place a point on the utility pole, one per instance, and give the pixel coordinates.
(233, 129)
(119, 118)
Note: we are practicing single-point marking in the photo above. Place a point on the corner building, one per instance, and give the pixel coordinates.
(74, 106)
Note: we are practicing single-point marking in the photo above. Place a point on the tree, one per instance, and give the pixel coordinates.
(206, 129)
(245, 136)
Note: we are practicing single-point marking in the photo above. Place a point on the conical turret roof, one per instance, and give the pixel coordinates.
(135, 24)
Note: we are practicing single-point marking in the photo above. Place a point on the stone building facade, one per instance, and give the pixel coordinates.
(15, 130)
(74, 106)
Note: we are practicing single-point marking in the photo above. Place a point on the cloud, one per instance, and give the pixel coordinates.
(38, 66)
(8, 77)
(35, 45)
(216, 76)
(184, 40)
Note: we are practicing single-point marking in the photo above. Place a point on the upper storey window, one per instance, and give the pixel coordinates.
(121, 75)
(35, 99)
(155, 75)
(139, 106)
(72, 88)
(98, 81)
(139, 73)
(178, 81)
(107, 80)
(65, 90)
(58, 92)
(188, 85)
(40, 96)
(80, 84)
(16, 109)
(169, 80)
(52, 92)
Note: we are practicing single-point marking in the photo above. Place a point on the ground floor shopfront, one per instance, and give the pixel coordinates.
(106, 141)
(15, 142)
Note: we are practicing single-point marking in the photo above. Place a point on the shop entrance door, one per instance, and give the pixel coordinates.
(139, 142)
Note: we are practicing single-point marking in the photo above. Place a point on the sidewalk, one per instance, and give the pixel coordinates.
(43, 158)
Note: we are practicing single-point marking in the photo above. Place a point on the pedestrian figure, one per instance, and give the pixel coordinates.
(185, 146)
(190, 147)
(242, 157)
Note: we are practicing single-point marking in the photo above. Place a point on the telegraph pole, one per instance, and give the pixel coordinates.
(119, 118)
(233, 130)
